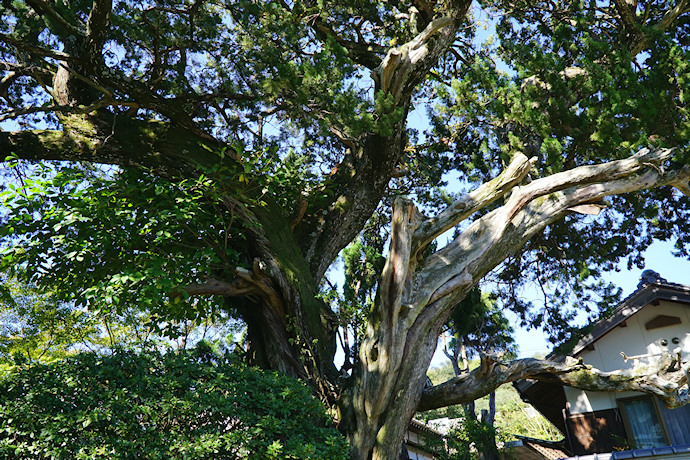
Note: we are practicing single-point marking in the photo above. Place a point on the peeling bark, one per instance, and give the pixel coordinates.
(664, 379)
(417, 295)
(289, 327)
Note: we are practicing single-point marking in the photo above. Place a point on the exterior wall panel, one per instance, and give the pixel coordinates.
(595, 432)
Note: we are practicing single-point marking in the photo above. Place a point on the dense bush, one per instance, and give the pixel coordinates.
(471, 440)
(153, 406)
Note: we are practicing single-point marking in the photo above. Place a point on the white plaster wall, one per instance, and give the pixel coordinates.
(633, 340)
(588, 401)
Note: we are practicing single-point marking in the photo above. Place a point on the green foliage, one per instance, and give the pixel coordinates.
(363, 265)
(470, 441)
(125, 238)
(515, 418)
(38, 327)
(479, 323)
(153, 406)
(285, 88)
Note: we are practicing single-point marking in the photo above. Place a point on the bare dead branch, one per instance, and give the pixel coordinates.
(526, 212)
(664, 379)
(470, 203)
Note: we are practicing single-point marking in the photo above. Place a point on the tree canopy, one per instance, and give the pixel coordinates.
(198, 159)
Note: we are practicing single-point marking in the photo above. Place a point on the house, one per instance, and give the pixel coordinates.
(419, 440)
(653, 319)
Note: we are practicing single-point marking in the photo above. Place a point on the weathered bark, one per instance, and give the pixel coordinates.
(360, 181)
(665, 379)
(306, 323)
(289, 328)
(639, 36)
(416, 295)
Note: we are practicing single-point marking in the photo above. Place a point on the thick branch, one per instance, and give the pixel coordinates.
(671, 15)
(472, 202)
(246, 283)
(159, 146)
(361, 181)
(591, 174)
(627, 16)
(642, 40)
(664, 380)
(366, 54)
(76, 109)
(33, 49)
(96, 30)
(43, 8)
(215, 287)
(398, 71)
(488, 240)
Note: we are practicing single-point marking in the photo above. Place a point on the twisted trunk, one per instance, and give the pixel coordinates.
(289, 328)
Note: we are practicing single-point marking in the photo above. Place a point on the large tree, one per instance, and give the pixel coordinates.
(253, 141)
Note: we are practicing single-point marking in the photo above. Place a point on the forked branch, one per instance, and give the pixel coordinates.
(472, 202)
(529, 209)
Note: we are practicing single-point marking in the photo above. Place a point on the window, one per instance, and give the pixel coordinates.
(642, 422)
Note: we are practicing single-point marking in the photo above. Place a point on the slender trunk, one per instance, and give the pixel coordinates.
(463, 356)
(488, 417)
(469, 408)
(470, 411)
(492, 409)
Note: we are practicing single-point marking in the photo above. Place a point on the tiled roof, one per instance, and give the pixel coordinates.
(668, 452)
(531, 448)
(547, 449)
(421, 426)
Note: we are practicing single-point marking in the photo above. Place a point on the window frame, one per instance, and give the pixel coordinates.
(620, 403)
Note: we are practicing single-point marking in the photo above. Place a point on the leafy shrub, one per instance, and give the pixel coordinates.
(470, 440)
(160, 406)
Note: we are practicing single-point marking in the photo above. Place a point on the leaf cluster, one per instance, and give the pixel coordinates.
(174, 405)
(125, 237)
(37, 327)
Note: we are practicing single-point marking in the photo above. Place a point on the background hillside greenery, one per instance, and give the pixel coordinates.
(513, 417)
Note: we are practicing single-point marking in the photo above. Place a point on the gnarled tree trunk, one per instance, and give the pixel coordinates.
(289, 327)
